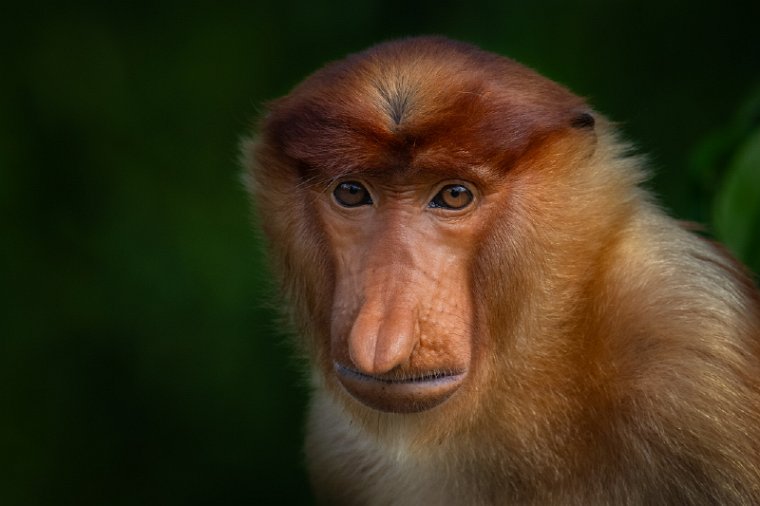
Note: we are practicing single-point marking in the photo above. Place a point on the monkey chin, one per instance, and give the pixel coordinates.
(398, 393)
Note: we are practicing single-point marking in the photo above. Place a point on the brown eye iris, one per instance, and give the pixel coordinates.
(352, 194)
(453, 196)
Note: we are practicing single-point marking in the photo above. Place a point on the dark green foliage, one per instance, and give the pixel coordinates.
(727, 164)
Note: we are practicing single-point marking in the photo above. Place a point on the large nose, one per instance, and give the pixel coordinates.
(385, 328)
(385, 331)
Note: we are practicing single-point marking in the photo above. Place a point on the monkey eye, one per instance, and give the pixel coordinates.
(352, 194)
(453, 196)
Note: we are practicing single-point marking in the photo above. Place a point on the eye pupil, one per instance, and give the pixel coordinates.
(453, 196)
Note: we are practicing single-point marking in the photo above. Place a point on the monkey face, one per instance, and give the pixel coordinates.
(398, 178)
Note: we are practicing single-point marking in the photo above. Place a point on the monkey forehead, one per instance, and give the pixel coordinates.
(418, 103)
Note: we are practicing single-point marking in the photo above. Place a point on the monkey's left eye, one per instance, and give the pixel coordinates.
(352, 194)
(453, 196)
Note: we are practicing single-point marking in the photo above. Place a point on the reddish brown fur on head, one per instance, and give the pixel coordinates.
(394, 107)
(480, 281)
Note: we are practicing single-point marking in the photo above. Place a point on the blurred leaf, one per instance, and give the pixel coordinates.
(736, 217)
(712, 158)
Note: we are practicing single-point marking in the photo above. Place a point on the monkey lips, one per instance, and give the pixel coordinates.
(400, 393)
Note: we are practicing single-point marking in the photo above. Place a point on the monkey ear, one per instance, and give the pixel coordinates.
(583, 120)
(582, 123)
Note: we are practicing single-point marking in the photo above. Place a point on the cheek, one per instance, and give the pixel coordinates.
(445, 313)
(350, 285)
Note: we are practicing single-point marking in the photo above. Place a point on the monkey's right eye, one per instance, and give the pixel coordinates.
(352, 194)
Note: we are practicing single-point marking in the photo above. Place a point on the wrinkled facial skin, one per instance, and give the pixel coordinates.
(402, 318)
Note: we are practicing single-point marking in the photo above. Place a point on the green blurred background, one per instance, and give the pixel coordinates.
(140, 362)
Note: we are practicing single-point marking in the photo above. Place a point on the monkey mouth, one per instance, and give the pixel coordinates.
(398, 391)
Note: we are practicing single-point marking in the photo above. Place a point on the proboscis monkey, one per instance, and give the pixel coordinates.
(495, 311)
